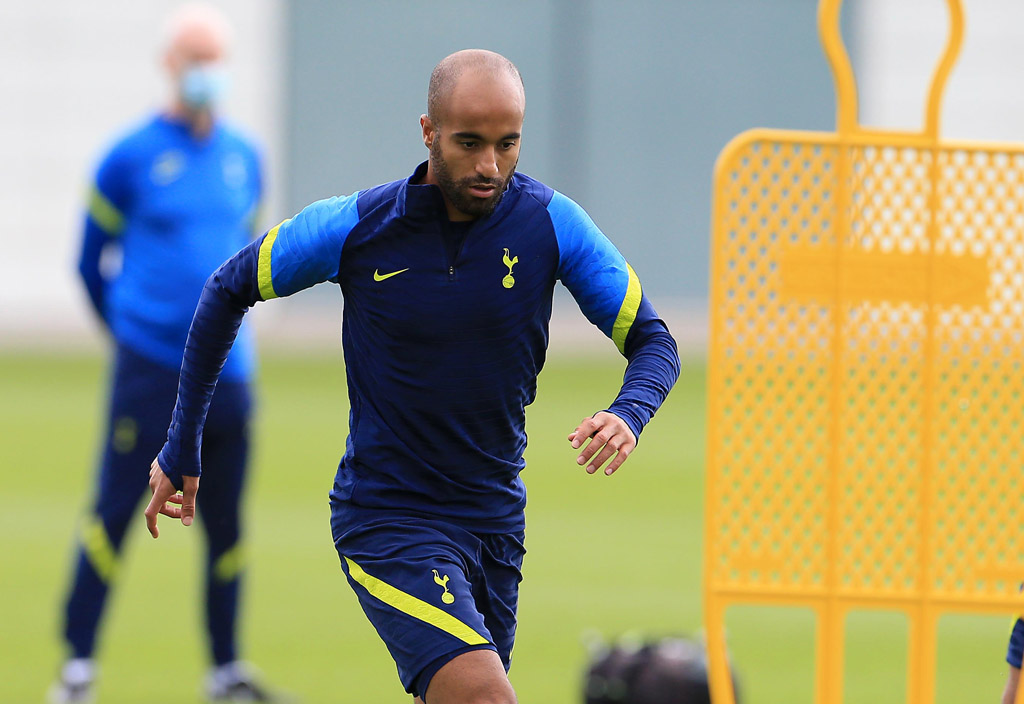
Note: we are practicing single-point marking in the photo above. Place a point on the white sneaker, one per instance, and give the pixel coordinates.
(236, 682)
(75, 685)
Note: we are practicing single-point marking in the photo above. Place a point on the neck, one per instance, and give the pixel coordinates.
(454, 214)
(199, 121)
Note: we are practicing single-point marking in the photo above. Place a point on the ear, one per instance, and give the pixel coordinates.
(172, 64)
(427, 125)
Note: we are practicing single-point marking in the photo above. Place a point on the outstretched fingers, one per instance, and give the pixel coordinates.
(609, 439)
(167, 501)
(169, 508)
(157, 504)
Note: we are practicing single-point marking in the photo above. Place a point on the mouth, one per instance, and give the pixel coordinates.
(482, 190)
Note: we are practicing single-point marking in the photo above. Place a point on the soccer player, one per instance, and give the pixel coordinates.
(176, 196)
(447, 279)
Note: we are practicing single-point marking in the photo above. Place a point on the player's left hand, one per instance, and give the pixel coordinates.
(609, 435)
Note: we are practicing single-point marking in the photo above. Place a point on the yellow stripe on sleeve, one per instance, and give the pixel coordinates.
(264, 275)
(417, 608)
(104, 213)
(99, 550)
(627, 312)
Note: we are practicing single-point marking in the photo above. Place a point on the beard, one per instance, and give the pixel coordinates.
(457, 190)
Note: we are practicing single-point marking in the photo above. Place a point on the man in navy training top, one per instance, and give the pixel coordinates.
(176, 196)
(447, 279)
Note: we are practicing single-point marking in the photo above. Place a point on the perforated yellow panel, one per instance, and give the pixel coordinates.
(866, 377)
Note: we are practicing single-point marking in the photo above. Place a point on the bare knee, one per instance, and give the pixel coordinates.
(488, 698)
(479, 698)
(476, 677)
(474, 698)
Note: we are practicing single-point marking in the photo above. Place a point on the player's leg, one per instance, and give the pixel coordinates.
(497, 588)
(476, 677)
(1014, 654)
(99, 545)
(481, 676)
(140, 405)
(1012, 682)
(225, 456)
(412, 580)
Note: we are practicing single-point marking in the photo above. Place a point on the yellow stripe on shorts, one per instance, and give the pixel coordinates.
(417, 608)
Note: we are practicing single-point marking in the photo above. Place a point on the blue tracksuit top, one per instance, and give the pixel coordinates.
(442, 352)
(177, 206)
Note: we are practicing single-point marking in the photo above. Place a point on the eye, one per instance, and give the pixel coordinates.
(468, 145)
(507, 145)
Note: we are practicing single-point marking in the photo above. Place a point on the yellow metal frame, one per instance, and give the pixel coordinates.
(866, 308)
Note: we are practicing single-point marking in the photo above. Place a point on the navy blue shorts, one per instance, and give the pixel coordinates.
(1015, 649)
(431, 589)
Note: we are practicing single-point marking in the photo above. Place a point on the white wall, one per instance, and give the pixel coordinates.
(897, 43)
(72, 74)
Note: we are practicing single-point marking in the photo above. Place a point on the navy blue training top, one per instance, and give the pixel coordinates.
(177, 206)
(442, 345)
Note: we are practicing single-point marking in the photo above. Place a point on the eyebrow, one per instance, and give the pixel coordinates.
(474, 135)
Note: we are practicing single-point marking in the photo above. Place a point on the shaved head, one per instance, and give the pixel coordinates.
(447, 73)
(196, 32)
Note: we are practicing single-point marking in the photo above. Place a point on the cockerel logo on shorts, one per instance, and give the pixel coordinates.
(447, 597)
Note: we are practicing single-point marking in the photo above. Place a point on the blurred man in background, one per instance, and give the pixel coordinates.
(447, 279)
(175, 197)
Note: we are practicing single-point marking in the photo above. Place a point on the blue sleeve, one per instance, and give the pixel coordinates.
(306, 250)
(109, 199)
(609, 293)
(94, 240)
(226, 297)
(296, 254)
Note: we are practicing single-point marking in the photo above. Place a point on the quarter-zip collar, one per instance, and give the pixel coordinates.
(423, 201)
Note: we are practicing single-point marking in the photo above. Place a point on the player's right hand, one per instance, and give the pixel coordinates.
(168, 501)
(609, 437)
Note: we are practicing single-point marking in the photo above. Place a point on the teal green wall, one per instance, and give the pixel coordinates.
(628, 103)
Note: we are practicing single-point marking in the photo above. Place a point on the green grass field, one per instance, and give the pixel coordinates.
(613, 555)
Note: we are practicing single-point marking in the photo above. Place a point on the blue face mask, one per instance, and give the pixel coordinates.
(203, 85)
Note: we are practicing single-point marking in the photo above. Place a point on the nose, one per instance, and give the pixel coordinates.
(487, 165)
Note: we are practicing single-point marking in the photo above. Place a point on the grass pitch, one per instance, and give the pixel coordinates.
(611, 555)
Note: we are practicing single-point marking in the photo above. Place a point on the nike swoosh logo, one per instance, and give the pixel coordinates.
(377, 276)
